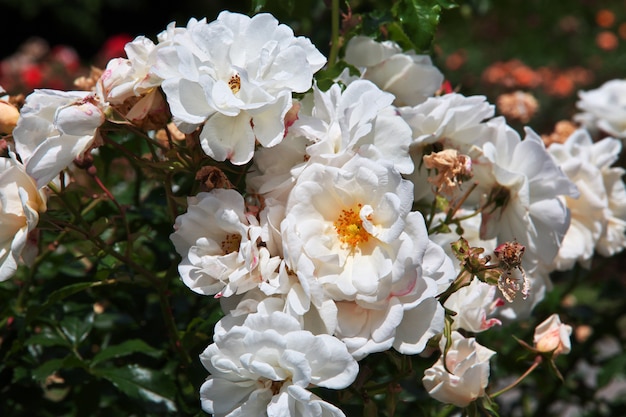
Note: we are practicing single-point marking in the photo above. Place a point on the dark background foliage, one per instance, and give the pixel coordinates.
(108, 345)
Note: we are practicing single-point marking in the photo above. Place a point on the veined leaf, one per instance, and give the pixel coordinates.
(48, 368)
(48, 337)
(123, 349)
(419, 20)
(147, 385)
(61, 294)
(77, 329)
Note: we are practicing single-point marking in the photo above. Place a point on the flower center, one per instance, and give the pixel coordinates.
(231, 243)
(235, 83)
(276, 386)
(349, 227)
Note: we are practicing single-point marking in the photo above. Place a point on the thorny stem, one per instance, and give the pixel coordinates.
(459, 203)
(535, 364)
(334, 37)
(121, 209)
(161, 285)
(431, 215)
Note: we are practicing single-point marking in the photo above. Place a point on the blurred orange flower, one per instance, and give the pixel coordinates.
(605, 18)
(622, 30)
(607, 40)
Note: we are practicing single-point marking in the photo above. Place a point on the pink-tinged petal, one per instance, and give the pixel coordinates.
(79, 119)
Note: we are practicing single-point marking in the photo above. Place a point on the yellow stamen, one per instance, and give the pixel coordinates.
(349, 227)
(231, 243)
(235, 83)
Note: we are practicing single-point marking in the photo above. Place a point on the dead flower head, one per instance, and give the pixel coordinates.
(451, 167)
(509, 256)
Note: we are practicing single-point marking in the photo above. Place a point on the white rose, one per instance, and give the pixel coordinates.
(473, 304)
(55, 127)
(604, 108)
(124, 78)
(599, 212)
(235, 77)
(553, 336)
(524, 186)
(265, 365)
(350, 237)
(20, 205)
(452, 121)
(410, 77)
(360, 120)
(468, 363)
(218, 243)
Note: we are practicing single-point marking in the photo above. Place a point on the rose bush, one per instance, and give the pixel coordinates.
(328, 220)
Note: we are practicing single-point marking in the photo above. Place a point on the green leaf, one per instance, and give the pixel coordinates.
(48, 337)
(61, 294)
(123, 349)
(154, 388)
(419, 20)
(326, 78)
(397, 33)
(48, 368)
(77, 329)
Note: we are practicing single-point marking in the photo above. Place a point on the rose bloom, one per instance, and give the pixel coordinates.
(264, 367)
(599, 211)
(20, 205)
(410, 77)
(217, 240)
(54, 128)
(468, 363)
(451, 121)
(358, 120)
(553, 336)
(235, 78)
(604, 109)
(523, 186)
(351, 237)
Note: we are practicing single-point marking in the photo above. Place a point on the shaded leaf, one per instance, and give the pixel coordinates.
(123, 349)
(77, 329)
(48, 368)
(48, 337)
(61, 294)
(154, 388)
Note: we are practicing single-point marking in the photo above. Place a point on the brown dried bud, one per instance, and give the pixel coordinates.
(147, 112)
(509, 255)
(163, 137)
(213, 177)
(452, 168)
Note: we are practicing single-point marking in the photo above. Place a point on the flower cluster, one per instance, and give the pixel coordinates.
(373, 212)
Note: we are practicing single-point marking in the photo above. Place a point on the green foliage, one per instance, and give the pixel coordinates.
(416, 22)
(101, 324)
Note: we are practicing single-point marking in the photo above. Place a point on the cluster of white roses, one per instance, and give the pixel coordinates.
(340, 246)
